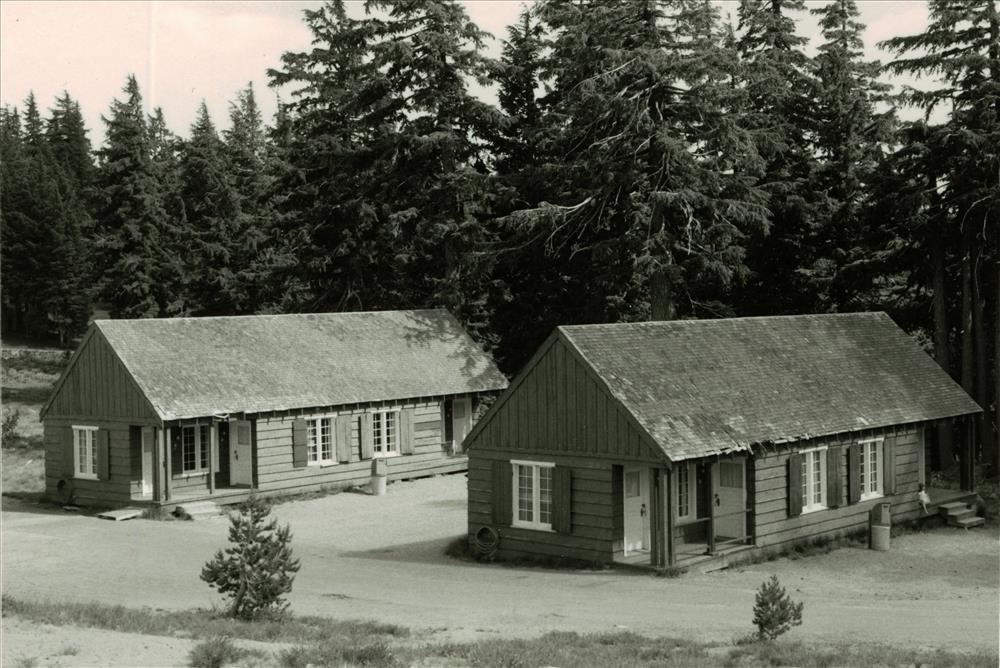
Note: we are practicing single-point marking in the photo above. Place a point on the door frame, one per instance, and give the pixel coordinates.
(723, 508)
(235, 466)
(645, 508)
(147, 457)
(458, 437)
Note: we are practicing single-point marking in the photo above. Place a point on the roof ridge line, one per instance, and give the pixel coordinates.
(266, 315)
(783, 316)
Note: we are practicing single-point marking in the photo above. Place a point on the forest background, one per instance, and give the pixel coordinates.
(645, 159)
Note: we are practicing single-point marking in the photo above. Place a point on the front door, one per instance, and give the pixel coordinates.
(636, 510)
(461, 419)
(240, 453)
(147, 461)
(729, 482)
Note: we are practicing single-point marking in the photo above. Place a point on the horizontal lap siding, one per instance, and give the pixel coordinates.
(773, 527)
(117, 490)
(593, 523)
(276, 473)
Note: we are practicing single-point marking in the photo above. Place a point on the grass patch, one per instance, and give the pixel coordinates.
(23, 474)
(214, 653)
(198, 623)
(373, 655)
(815, 547)
(810, 656)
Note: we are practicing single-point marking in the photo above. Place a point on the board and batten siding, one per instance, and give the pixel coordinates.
(59, 465)
(97, 385)
(276, 471)
(595, 518)
(559, 406)
(774, 528)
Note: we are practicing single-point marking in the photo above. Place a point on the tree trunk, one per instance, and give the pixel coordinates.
(982, 363)
(996, 358)
(968, 450)
(945, 440)
(661, 297)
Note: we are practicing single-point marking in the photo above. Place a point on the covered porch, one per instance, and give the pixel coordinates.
(694, 512)
(210, 458)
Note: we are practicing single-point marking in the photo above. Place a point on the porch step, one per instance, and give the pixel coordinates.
(961, 514)
(199, 510)
(968, 522)
(121, 514)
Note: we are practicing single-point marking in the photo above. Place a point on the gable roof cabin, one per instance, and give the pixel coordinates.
(187, 380)
(717, 409)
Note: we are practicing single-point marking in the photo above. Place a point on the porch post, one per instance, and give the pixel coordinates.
(157, 463)
(656, 520)
(967, 463)
(668, 522)
(167, 464)
(213, 454)
(711, 506)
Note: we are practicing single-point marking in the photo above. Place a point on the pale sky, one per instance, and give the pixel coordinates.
(183, 52)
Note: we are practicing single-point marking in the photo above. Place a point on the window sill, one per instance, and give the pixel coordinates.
(189, 474)
(323, 464)
(84, 476)
(871, 497)
(813, 509)
(385, 455)
(547, 528)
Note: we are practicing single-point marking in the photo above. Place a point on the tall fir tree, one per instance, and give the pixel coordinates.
(776, 78)
(961, 50)
(132, 225)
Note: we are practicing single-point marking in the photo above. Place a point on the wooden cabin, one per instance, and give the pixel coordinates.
(159, 411)
(668, 443)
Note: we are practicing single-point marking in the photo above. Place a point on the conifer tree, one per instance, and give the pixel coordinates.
(257, 569)
(133, 229)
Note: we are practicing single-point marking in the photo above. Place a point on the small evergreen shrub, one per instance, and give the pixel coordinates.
(258, 568)
(774, 612)
(8, 430)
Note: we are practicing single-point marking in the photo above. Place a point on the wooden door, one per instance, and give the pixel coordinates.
(147, 461)
(240, 453)
(729, 483)
(461, 417)
(636, 510)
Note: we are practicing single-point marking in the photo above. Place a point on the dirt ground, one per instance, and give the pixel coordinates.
(382, 558)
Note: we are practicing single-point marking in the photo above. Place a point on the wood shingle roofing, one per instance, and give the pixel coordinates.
(196, 367)
(703, 387)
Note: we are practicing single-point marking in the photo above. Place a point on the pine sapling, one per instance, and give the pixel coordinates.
(257, 569)
(774, 612)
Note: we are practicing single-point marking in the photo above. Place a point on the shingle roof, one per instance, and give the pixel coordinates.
(702, 387)
(192, 367)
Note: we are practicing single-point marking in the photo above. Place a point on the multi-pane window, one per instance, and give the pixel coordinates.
(385, 432)
(532, 495)
(683, 490)
(195, 442)
(320, 440)
(85, 452)
(813, 479)
(870, 469)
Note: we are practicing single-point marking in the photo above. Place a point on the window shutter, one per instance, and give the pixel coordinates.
(300, 453)
(854, 473)
(344, 438)
(503, 481)
(562, 502)
(833, 457)
(888, 467)
(103, 445)
(69, 457)
(176, 452)
(367, 437)
(135, 453)
(406, 431)
(794, 484)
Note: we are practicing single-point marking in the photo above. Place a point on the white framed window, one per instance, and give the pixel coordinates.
(385, 433)
(195, 442)
(319, 441)
(532, 495)
(813, 480)
(85, 452)
(683, 495)
(870, 470)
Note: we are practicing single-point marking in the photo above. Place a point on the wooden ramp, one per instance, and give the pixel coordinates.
(121, 514)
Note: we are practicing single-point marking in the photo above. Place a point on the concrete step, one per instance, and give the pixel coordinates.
(198, 510)
(967, 522)
(961, 514)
